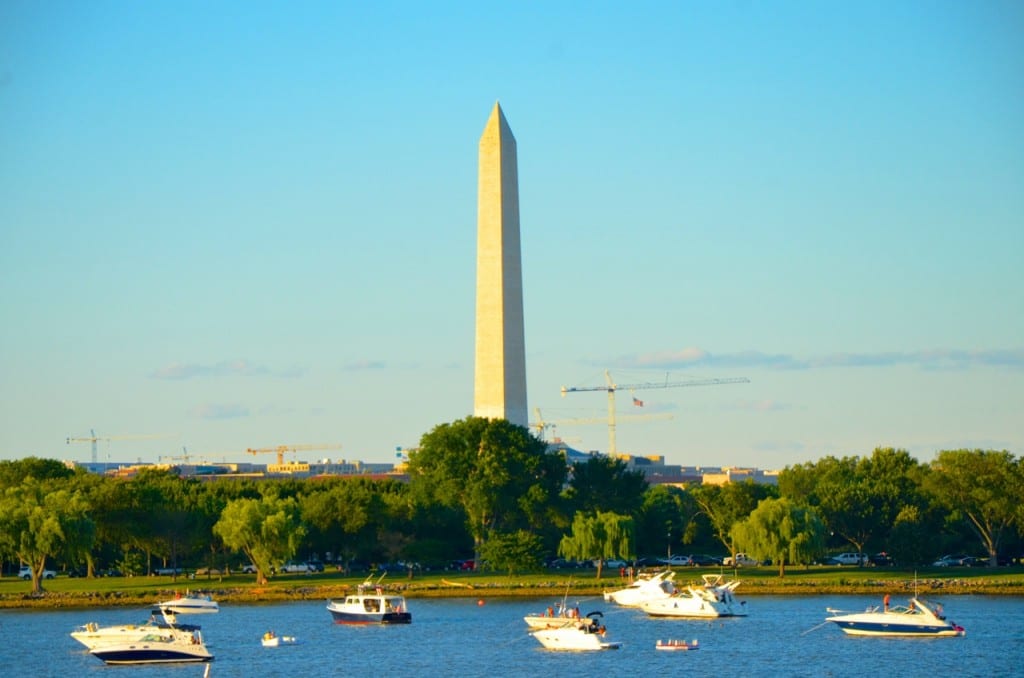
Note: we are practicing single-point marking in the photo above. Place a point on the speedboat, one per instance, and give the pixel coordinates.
(576, 635)
(918, 618)
(177, 646)
(370, 606)
(713, 599)
(190, 603)
(160, 623)
(646, 587)
(676, 646)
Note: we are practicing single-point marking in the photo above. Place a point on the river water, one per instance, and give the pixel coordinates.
(783, 636)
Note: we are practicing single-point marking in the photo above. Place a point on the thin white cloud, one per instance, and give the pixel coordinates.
(365, 365)
(226, 368)
(938, 359)
(219, 411)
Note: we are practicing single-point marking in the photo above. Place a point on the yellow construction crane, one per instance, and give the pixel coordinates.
(281, 450)
(611, 387)
(93, 438)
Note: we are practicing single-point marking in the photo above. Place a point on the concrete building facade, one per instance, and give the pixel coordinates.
(500, 368)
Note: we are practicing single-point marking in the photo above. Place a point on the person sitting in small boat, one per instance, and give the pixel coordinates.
(268, 635)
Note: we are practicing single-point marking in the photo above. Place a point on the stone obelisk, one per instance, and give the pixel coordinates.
(500, 382)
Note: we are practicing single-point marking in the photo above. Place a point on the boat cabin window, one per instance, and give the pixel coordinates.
(371, 605)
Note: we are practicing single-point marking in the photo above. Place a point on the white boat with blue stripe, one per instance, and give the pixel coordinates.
(918, 618)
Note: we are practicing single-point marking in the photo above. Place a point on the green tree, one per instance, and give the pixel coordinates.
(38, 520)
(725, 505)
(498, 473)
(512, 552)
(346, 515)
(603, 483)
(984, 488)
(599, 536)
(667, 516)
(857, 498)
(267, 530)
(12, 472)
(782, 531)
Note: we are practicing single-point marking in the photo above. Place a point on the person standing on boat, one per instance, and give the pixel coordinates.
(885, 602)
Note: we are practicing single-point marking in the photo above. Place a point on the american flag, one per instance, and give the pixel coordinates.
(638, 402)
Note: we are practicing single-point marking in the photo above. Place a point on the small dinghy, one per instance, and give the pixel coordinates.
(271, 639)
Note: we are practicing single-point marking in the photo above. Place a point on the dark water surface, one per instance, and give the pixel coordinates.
(461, 637)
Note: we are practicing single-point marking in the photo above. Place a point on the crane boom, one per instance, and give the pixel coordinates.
(281, 449)
(611, 387)
(93, 438)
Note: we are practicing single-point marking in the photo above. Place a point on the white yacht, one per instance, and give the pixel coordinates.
(918, 618)
(161, 622)
(713, 599)
(646, 587)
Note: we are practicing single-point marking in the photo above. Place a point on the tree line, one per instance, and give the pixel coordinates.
(490, 491)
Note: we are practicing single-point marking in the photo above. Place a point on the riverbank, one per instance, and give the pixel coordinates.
(69, 593)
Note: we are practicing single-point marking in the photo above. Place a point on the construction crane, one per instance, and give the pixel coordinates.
(185, 457)
(281, 450)
(611, 387)
(93, 438)
(542, 425)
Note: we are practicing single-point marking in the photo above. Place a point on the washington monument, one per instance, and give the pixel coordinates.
(500, 381)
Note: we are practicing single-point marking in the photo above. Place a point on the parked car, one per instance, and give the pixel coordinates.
(315, 565)
(880, 559)
(741, 559)
(167, 571)
(26, 573)
(249, 569)
(295, 568)
(847, 559)
(209, 570)
(677, 561)
(949, 561)
(704, 560)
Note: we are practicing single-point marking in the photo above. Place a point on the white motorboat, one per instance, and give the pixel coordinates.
(918, 618)
(576, 635)
(175, 646)
(646, 587)
(370, 605)
(271, 639)
(190, 603)
(161, 622)
(713, 599)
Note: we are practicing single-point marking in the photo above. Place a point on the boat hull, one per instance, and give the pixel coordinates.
(573, 640)
(187, 608)
(693, 614)
(360, 618)
(147, 653)
(883, 628)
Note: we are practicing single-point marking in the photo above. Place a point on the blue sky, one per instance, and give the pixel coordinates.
(236, 225)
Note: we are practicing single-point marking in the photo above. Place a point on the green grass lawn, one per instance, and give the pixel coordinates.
(142, 591)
